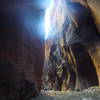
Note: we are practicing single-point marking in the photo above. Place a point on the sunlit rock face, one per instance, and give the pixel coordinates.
(21, 49)
(82, 49)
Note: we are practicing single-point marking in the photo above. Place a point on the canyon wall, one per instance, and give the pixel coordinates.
(21, 49)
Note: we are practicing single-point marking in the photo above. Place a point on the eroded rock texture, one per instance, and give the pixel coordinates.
(21, 49)
(81, 51)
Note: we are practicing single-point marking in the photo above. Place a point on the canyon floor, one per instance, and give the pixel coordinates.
(88, 94)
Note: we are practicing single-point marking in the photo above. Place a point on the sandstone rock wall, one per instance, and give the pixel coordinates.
(21, 47)
(87, 34)
(94, 46)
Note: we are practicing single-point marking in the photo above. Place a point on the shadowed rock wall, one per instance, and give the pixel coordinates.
(21, 48)
(94, 47)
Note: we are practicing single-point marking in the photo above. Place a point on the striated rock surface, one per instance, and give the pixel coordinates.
(81, 50)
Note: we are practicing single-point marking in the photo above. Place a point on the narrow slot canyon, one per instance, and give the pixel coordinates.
(49, 50)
